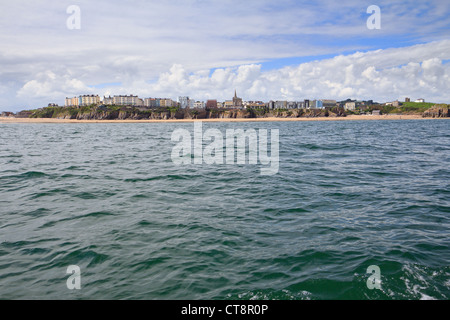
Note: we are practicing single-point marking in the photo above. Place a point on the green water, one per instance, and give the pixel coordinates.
(109, 199)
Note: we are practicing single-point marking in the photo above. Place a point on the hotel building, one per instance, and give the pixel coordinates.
(72, 102)
(127, 101)
(108, 100)
(81, 101)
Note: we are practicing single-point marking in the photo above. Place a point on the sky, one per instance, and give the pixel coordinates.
(204, 49)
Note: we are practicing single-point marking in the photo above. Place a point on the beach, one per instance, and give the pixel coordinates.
(269, 119)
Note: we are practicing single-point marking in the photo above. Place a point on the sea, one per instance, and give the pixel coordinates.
(357, 210)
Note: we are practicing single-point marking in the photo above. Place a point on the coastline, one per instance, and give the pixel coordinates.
(269, 119)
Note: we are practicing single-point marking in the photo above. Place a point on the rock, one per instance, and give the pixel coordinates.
(437, 111)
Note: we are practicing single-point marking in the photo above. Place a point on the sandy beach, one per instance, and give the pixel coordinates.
(348, 118)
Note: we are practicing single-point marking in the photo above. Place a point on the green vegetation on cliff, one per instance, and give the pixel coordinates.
(416, 106)
(110, 112)
(408, 107)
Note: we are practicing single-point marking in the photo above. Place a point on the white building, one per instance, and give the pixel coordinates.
(81, 101)
(127, 101)
(184, 102)
(88, 100)
(228, 104)
(420, 100)
(253, 104)
(108, 100)
(280, 104)
(350, 106)
(292, 104)
(199, 105)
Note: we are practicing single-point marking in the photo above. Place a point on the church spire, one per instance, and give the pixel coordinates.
(235, 94)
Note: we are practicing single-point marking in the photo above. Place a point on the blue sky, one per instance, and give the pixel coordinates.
(205, 49)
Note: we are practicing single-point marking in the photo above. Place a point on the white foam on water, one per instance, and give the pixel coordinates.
(416, 283)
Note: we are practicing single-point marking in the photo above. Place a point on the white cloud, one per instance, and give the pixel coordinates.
(381, 75)
(177, 42)
(49, 85)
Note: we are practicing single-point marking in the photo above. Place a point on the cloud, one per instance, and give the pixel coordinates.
(152, 47)
(382, 75)
(49, 85)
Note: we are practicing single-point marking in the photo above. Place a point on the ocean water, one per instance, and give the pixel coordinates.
(109, 199)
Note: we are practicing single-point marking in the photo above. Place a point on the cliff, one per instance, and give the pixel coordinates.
(171, 113)
(437, 111)
(133, 113)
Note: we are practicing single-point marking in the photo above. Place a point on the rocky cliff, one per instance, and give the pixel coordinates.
(437, 111)
(131, 113)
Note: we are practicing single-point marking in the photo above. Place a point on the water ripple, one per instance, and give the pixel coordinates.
(109, 199)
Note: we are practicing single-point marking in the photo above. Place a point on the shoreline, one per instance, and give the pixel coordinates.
(270, 119)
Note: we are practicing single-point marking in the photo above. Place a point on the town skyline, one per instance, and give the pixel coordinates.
(185, 102)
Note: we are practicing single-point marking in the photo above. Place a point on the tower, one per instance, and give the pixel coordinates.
(237, 102)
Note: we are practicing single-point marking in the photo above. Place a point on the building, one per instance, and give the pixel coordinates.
(376, 112)
(167, 103)
(211, 104)
(407, 100)
(108, 100)
(316, 104)
(151, 102)
(72, 102)
(292, 105)
(328, 103)
(199, 105)
(350, 106)
(254, 104)
(237, 102)
(280, 104)
(421, 100)
(228, 104)
(306, 104)
(184, 102)
(88, 100)
(127, 101)
(80, 101)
